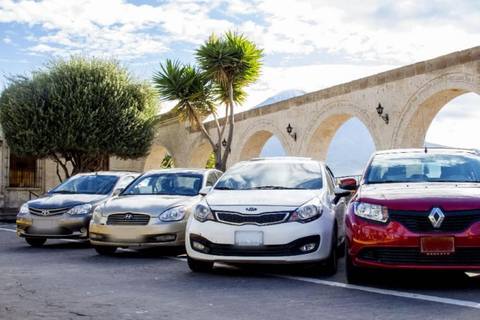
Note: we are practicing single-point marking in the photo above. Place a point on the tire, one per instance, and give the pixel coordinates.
(199, 266)
(36, 242)
(354, 274)
(331, 264)
(105, 250)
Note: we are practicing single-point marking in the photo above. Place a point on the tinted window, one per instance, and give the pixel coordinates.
(166, 183)
(212, 178)
(421, 167)
(268, 175)
(91, 184)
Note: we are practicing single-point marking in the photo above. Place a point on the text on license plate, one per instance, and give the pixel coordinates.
(437, 245)
(248, 238)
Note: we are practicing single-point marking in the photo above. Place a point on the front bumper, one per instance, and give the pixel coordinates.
(152, 235)
(61, 226)
(281, 242)
(393, 246)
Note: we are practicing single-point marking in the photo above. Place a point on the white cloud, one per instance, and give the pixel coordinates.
(7, 40)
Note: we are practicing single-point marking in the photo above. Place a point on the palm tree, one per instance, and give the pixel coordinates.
(226, 67)
(232, 63)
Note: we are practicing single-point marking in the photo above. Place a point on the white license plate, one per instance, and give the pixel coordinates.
(248, 238)
(44, 224)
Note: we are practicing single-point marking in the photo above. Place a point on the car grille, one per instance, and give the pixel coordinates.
(258, 219)
(48, 212)
(413, 257)
(417, 221)
(289, 249)
(130, 219)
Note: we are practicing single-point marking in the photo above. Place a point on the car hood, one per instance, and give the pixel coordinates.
(284, 198)
(150, 204)
(422, 196)
(66, 200)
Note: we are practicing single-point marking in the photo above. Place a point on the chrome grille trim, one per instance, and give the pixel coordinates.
(238, 219)
(51, 211)
(136, 219)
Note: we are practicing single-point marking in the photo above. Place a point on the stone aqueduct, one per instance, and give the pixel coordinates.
(411, 96)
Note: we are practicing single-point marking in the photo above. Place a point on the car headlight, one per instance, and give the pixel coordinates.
(369, 211)
(81, 209)
(173, 214)
(24, 209)
(203, 213)
(97, 213)
(308, 212)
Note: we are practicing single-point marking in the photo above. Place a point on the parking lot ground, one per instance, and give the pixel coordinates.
(69, 280)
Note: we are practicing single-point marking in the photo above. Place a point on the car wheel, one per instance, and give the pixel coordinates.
(36, 242)
(330, 267)
(105, 251)
(354, 274)
(199, 266)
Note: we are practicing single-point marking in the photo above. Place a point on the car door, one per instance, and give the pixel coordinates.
(340, 207)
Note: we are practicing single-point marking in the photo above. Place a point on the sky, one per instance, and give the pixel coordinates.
(308, 44)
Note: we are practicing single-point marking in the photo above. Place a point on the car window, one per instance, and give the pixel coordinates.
(270, 175)
(87, 184)
(211, 179)
(185, 184)
(423, 167)
(125, 181)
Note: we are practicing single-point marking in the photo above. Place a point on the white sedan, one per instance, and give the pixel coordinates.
(272, 210)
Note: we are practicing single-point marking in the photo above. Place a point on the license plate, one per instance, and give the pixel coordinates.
(437, 245)
(248, 238)
(44, 224)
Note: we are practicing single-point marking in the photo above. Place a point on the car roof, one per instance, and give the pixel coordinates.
(179, 170)
(434, 150)
(108, 173)
(283, 159)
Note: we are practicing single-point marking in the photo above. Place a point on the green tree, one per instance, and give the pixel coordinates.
(79, 112)
(226, 66)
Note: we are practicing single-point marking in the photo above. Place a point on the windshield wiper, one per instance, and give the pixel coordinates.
(64, 192)
(274, 188)
(223, 188)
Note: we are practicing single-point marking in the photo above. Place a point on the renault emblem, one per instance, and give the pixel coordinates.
(128, 216)
(45, 212)
(436, 217)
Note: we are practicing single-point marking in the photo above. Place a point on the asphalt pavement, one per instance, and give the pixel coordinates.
(67, 279)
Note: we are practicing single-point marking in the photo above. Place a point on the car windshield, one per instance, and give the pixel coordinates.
(182, 184)
(423, 167)
(273, 176)
(87, 184)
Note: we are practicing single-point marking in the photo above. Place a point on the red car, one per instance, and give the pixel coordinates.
(415, 209)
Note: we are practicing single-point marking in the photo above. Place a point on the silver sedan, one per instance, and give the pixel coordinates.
(150, 212)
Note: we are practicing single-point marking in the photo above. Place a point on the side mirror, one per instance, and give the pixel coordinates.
(348, 184)
(340, 193)
(205, 190)
(49, 191)
(117, 191)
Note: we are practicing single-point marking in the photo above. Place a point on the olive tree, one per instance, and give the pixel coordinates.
(79, 112)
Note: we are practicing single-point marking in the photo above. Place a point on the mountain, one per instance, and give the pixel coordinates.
(283, 95)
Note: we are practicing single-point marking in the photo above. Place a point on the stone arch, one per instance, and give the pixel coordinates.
(426, 102)
(327, 122)
(155, 157)
(254, 138)
(200, 154)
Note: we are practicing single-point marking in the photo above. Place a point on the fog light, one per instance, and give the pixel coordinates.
(308, 247)
(198, 246)
(83, 230)
(96, 236)
(166, 237)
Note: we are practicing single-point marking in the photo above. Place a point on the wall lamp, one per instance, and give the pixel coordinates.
(380, 113)
(224, 143)
(289, 131)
